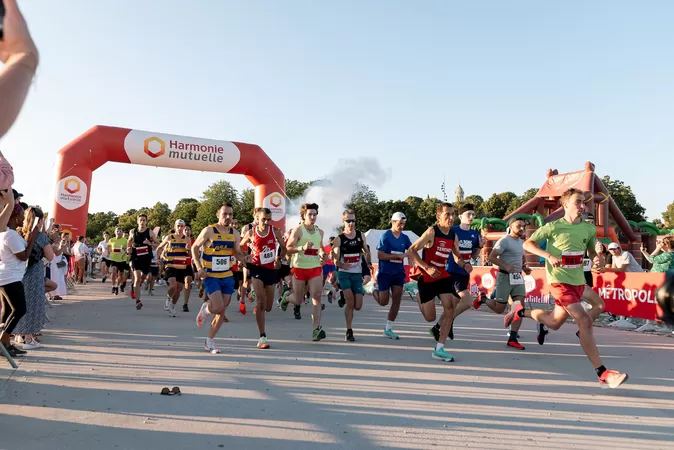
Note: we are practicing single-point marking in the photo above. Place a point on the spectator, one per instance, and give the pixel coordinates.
(20, 56)
(14, 252)
(33, 280)
(623, 261)
(80, 252)
(662, 257)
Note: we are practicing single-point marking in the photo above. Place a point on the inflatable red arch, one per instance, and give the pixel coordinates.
(77, 161)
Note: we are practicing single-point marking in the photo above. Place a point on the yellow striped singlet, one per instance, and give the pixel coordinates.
(218, 256)
(176, 253)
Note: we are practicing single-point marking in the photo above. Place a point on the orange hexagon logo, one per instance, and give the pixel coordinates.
(275, 200)
(71, 185)
(150, 153)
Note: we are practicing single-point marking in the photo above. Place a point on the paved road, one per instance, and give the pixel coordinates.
(95, 384)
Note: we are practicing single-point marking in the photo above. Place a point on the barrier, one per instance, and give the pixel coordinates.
(630, 294)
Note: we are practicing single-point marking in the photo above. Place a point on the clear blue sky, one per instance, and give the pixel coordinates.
(492, 93)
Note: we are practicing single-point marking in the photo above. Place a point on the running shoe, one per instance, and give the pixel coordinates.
(296, 311)
(318, 334)
(263, 343)
(139, 305)
(435, 332)
(578, 335)
(255, 310)
(209, 345)
(284, 302)
(113, 290)
(390, 334)
(172, 310)
(513, 316)
(252, 296)
(611, 379)
(16, 350)
(342, 301)
(349, 336)
(515, 344)
(451, 332)
(133, 293)
(242, 308)
(167, 303)
(31, 344)
(478, 301)
(202, 314)
(542, 332)
(442, 355)
(330, 297)
(322, 306)
(103, 279)
(186, 308)
(123, 286)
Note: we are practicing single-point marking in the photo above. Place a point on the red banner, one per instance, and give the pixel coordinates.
(630, 294)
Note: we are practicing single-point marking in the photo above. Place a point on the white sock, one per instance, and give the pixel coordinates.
(439, 346)
(389, 324)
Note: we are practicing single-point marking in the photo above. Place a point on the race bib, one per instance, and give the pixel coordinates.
(572, 260)
(516, 278)
(466, 255)
(180, 261)
(220, 263)
(587, 265)
(142, 251)
(116, 250)
(352, 258)
(311, 252)
(267, 257)
(397, 261)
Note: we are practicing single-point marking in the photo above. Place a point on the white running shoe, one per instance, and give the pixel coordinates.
(31, 345)
(172, 310)
(202, 314)
(168, 302)
(209, 345)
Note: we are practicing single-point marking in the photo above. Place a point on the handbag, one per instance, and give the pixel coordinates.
(61, 264)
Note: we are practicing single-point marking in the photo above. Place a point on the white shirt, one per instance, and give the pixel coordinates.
(103, 246)
(80, 250)
(626, 259)
(12, 268)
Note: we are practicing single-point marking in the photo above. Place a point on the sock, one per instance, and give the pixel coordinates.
(513, 336)
(600, 370)
(439, 346)
(437, 326)
(389, 324)
(263, 335)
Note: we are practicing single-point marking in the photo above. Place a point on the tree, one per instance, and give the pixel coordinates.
(217, 193)
(427, 210)
(158, 216)
(414, 202)
(625, 199)
(386, 210)
(497, 205)
(365, 204)
(522, 199)
(475, 200)
(186, 209)
(99, 222)
(129, 220)
(668, 216)
(247, 207)
(295, 189)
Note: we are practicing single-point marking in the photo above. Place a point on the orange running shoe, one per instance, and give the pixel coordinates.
(611, 379)
(242, 308)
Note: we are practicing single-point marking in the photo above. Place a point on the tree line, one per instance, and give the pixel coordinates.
(371, 212)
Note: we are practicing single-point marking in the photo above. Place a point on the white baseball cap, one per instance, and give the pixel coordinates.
(613, 246)
(398, 216)
(179, 222)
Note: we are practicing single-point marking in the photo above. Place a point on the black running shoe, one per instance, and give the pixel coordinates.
(349, 336)
(322, 306)
(186, 309)
(435, 332)
(542, 332)
(296, 311)
(451, 332)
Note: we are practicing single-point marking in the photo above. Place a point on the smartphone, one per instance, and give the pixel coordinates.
(2, 18)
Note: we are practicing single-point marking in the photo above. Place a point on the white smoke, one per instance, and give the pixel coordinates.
(335, 190)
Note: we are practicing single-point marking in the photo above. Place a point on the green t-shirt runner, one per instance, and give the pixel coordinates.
(118, 249)
(568, 242)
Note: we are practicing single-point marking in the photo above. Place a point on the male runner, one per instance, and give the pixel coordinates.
(177, 247)
(329, 271)
(306, 246)
(140, 250)
(567, 240)
(189, 271)
(154, 272)
(102, 250)
(470, 243)
(117, 251)
(237, 270)
(508, 256)
(439, 244)
(245, 290)
(126, 267)
(347, 250)
(212, 254)
(391, 252)
(284, 275)
(265, 261)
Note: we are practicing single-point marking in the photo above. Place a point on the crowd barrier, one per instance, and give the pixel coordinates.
(630, 294)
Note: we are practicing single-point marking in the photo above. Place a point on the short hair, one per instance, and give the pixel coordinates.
(515, 219)
(80, 238)
(443, 205)
(570, 193)
(263, 210)
(225, 205)
(306, 207)
(142, 215)
(257, 210)
(348, 212)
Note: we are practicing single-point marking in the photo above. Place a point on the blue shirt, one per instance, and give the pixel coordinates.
(468, 241)
(389, 244)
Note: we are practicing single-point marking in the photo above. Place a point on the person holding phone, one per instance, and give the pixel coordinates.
(20, 56)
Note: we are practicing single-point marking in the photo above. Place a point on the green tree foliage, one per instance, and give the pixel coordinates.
(497, 205)
(186, 209)
(158, 216)
(129, 220)
(522, 199)
(247, 207)
(217, 193)
(668, 216)
(625, 199)
(365, 204)
(295, 189)
(386, 210)
(99, 222)
(475, 200)
(426, 211)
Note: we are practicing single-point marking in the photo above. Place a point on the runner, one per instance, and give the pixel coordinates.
(347, 250)
(177, 247)
(139, 249)
(219, 242)
(285, 283)
(265, 261)
(439, 244)
(237, 270)
(508, 256)
(567, 240)
(154, 272)
(245, 290)
(102, 250)
(329, 271)
(470, 243)
(117, 251)
(189, 271)
(306, 246)
(126, 267)
(391, 252)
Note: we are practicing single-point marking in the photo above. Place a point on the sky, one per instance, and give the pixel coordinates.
(486, 93)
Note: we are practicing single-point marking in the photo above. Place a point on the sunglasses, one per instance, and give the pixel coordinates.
(350, 220)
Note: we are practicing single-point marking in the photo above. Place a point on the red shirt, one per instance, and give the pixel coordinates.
(438, 254)
(327, 249)
(263, 249)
